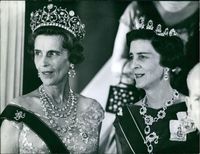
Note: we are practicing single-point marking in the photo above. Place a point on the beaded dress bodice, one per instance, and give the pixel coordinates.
(81, 138)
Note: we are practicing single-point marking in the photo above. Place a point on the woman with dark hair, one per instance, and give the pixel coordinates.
(181, 15)
(53, 118)
(157, 123)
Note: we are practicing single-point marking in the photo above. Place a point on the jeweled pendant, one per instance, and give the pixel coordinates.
(150, 148)
(147, 130)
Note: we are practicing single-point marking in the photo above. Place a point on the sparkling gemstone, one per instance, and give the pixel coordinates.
(71, 13)
(110, 107)
(123, 95)
(115, 92)
(116, 97)
(148, 120)
(111, 99)
(85, 135)
(115, 106)
(147, 130)
(124, 100)
(50, 6)
(119, 103)
(51, 121)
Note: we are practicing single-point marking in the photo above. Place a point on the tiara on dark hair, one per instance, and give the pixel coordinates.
(52, 15)
(140, 24)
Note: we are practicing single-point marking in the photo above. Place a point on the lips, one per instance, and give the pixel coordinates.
(139, 75)
(47, 72)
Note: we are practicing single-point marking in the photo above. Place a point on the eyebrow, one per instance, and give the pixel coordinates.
(50, 50)
(144, 53)
(37, 50)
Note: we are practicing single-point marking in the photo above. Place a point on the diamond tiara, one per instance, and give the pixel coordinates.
(51, 15)
(140, 24)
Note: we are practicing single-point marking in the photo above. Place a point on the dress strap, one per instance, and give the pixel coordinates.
(19, 114)
(131, 131)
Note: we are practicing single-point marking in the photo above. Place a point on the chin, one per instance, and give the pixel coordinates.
(48, 82)
(139, 85)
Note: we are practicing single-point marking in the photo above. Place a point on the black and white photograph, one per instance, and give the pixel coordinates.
(99, 77)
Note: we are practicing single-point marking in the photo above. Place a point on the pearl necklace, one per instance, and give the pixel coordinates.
(53, 112)
(152, 137)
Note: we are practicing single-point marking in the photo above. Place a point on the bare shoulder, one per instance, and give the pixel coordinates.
(24, 101)
(27, 101)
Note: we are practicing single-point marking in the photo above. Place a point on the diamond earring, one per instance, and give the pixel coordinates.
(166, 74)
(71, 71)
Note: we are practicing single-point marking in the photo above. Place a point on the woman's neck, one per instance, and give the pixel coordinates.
(157, 96)
(58, 92)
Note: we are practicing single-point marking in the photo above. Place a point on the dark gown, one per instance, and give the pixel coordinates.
(131, 124)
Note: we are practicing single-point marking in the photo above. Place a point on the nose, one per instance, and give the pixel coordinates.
(135, 64)
(44, 61)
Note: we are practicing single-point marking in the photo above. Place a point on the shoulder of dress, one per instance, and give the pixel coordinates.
(92, 110)
(86, 103)
(11, 125)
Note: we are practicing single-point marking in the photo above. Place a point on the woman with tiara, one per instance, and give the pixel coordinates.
(181, 15)
(158, 123)
(53, 118)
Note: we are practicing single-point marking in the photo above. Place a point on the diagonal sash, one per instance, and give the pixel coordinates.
(131, 131)
(19, 114)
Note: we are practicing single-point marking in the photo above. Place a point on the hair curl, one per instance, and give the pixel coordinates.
(69, 42)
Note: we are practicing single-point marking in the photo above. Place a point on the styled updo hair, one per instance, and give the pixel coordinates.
(69, 42)
(170, 49)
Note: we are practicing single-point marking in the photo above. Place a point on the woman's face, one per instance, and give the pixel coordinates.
(145, 64)
(174, 6)
(51, 59)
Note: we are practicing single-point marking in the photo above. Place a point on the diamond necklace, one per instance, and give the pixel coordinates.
(152, 137)
(51, 111)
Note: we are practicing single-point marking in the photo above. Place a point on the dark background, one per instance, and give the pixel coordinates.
(101, 18)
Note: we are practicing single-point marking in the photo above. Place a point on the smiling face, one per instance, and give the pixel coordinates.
(145, 63)
(51, 59)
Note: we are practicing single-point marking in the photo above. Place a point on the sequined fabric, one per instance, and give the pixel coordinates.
(82, 138)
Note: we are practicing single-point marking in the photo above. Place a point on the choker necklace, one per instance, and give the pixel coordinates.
(152, 137)
(53, 112)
